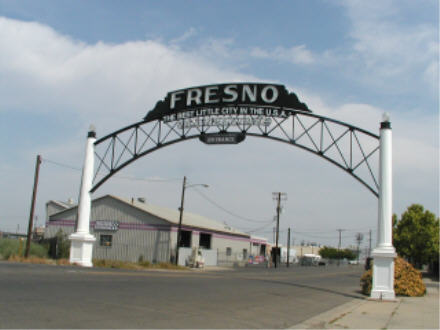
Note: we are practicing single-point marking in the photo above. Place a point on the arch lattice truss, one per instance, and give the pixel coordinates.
(350, 148)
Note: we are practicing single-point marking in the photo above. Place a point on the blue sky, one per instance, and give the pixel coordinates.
(67, 64)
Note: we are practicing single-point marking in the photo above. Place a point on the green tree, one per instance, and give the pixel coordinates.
(348, 254)
(416, 236)
(333, 253)
(328, 253)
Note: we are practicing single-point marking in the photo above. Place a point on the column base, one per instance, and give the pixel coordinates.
(383, 274)
(81, 249)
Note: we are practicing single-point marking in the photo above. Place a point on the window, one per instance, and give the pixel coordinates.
(205, 241)
(185, 238)
(105, 240)
(245, 255)
(228, 251)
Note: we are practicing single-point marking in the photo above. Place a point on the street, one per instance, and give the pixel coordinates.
(43, 296)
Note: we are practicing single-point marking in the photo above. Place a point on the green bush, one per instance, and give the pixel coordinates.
(10, 247)
(63, 245)
(332, 253)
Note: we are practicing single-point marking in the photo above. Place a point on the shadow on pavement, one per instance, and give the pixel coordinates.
(354, 296)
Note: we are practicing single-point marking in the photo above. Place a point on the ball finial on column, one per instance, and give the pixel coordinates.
(385, 117)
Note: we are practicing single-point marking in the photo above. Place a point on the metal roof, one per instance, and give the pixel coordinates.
(188, 219)
(172, 216)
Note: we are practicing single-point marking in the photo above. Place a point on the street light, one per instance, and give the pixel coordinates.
(184, 186)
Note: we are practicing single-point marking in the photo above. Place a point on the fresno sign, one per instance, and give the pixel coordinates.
(254, 99)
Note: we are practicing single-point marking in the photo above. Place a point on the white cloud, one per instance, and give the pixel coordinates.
(390, 49)
(106, 83)
(296, 54)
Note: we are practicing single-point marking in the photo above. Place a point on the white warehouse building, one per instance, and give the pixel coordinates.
(133, 230)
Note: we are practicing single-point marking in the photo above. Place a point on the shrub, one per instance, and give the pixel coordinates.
(62, 245)
(407, 280)
(366, 282)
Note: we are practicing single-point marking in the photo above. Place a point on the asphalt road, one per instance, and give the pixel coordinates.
(41, 296)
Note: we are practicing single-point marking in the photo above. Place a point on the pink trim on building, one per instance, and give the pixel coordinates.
(172, 228)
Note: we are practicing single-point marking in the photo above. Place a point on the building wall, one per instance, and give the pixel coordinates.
(239, 244)
(52, 208)
(306, 249)
(139, 236)
(144, 236)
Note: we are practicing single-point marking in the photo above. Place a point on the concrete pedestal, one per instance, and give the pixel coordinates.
(383, 274)
(81, 249)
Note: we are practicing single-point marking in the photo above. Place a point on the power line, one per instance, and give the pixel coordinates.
(61, 164)
(257, 229)
(115, 176)
(229, 212)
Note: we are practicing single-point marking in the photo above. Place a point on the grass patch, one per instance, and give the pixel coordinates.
(104, 263)
(63, 262)
(38, 260)
(16, 247)
(32, 260)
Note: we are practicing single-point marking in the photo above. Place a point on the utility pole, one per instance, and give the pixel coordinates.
(277, 196)
(288, 246)
(179, 230)
(339, 245)
(180, 220)
(359, 238)
(369, 245)
(31, 216)
(340, 231)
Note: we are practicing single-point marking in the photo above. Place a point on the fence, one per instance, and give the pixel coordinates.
(232, 258)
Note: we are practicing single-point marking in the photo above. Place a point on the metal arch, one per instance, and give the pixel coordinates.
(130, 143)
(324, 157)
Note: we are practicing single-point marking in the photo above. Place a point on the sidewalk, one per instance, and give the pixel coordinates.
(405, 313)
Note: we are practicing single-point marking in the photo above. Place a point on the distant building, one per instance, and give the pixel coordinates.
(302, 250)
(133, 230)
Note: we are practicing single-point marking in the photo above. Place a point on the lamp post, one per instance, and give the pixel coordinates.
(179, 230)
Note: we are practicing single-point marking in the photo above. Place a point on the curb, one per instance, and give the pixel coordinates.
(329, 317)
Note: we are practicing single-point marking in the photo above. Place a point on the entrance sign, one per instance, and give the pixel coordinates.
(226, 99)
(229, 113)
(222, 138)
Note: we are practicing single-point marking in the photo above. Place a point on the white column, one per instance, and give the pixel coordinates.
(82, 241)
(384, 253)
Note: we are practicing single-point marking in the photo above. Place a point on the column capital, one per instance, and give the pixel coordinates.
(385, 125)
